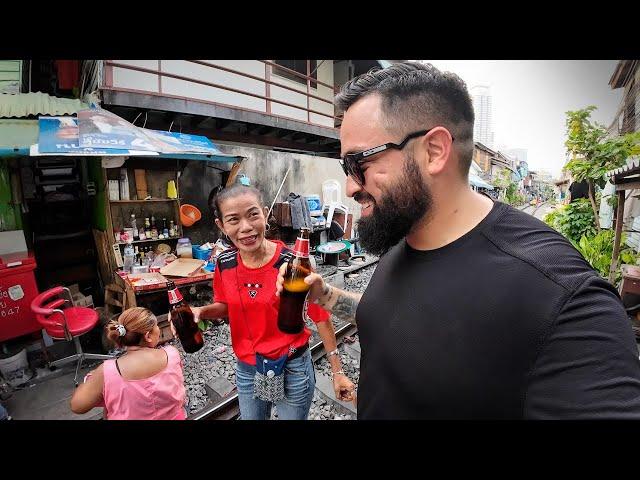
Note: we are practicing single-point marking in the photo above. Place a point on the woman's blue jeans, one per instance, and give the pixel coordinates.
(299, 384)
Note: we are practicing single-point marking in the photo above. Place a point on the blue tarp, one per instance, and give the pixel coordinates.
(44, 142)
(476, 181)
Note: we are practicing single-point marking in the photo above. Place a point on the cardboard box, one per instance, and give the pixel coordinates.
(114, 190)
(146, 281)
(183, 267)
(141, 183)
(124, 184)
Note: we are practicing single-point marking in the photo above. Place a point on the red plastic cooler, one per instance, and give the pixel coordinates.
(17, 289)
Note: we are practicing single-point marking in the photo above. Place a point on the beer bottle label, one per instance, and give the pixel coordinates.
(301, 248)
(174, 296)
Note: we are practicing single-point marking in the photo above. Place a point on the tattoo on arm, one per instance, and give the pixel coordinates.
(345, 307)
(325, 301)
(342, 304)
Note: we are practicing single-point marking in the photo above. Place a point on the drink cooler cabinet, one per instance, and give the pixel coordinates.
(17, 289)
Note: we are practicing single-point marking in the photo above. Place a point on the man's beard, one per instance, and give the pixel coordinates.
(406, 202)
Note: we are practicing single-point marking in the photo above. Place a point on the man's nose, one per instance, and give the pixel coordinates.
(352, 187)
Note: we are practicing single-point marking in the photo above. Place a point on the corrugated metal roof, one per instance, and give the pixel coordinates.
(38, 103)
(632, 167)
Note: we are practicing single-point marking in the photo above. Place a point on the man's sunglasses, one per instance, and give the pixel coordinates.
(351, 163)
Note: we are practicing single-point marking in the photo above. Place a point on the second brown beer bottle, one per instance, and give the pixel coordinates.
(294, 293)
(182, 318)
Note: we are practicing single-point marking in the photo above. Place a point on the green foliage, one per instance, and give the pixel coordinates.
(592, 156)
(592, 153)
(510, 188)
(573, 221)
(598, 250)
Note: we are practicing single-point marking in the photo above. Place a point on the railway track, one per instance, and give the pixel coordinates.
(226, 408)
(537, 208)
(526, 208)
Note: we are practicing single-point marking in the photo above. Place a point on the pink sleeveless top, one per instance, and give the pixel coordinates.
(159, 397)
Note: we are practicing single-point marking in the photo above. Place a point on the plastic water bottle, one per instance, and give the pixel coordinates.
(134, 226)
(129, 256)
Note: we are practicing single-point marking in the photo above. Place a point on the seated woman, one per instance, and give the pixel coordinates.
(145, 383)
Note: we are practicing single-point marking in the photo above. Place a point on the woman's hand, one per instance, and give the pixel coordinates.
(197, 311)
(196, 318)
(344, 388)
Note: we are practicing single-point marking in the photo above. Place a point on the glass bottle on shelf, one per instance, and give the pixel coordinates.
(151, 255)
(134, 227)
(165, 230)
(129, 255)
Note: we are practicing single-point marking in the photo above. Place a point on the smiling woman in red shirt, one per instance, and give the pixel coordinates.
(244, 291)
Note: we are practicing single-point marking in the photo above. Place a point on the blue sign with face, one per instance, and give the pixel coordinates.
(60, 135)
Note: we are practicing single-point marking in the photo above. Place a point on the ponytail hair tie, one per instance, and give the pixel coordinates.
(121, 330)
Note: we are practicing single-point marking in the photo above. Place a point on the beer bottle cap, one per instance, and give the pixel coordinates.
(301, 248)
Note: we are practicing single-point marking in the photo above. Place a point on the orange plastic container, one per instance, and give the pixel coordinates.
(189, 214)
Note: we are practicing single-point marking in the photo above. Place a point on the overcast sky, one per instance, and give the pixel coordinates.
(530, 98)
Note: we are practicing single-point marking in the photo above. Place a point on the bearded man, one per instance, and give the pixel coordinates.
(476, 310)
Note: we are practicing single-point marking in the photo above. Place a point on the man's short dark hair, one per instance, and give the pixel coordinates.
(418, 96)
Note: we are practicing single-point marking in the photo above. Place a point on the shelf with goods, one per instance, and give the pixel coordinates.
(118, 211)
(150, 240)
(147, 201)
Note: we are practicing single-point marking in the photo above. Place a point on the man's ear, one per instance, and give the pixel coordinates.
(438, 147)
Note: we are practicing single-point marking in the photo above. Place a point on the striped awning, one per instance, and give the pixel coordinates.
(632, 167)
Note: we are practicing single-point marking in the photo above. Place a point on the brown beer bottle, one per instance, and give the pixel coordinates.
(294, 293)
(182, 318)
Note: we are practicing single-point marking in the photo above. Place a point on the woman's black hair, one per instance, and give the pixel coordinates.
(217, 196)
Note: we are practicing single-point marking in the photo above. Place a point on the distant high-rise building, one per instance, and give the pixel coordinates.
(483, 127)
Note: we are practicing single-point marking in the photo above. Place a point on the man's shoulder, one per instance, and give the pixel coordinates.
(532, 242)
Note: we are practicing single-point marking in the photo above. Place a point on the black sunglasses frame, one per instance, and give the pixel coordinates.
(351, 163)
